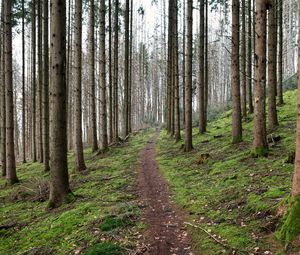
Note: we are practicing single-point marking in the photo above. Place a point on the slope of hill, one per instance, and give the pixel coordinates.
(235, 202)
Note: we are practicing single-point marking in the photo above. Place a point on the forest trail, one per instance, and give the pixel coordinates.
(165, 234)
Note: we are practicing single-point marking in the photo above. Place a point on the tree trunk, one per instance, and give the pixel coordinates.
(249, 57)
(272, 66)
(103, 112)
(70, 79)
(23, 85)
(243, 60)
(126, 70)
(183, 61)
(40, 84)
(188, 77)
(170, 70)
(116, 72)
(280, 55)
(296, 177)
(59, 179)
(46, 89)
(130, 70)
(176, 76)
(260, 138)
(33, 78)
(201, 89)
(3, 110)
(206, 66)
(91, 46)
(11, 174)
(79, 158)
(235, 74)
(110, 74)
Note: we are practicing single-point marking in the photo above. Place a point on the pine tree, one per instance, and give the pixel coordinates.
(11, 174)
(79, 158)
(235, 73)
(59, 178)
(188, 77)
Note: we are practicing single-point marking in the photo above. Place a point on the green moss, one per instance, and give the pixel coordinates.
(105, 248)
(291, 226)
(112, 222)
(70, 198)
(237, 140)
(260, 152)
(275, 192)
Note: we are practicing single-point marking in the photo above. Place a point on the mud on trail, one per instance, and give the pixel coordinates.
(165, 234)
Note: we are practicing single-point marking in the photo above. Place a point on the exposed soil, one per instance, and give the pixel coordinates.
(165, 234)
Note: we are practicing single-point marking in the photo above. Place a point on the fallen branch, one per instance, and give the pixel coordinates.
(216, 239)
(209, 234)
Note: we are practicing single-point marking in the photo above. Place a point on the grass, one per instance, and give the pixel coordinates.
(101, 220)
(233, 195)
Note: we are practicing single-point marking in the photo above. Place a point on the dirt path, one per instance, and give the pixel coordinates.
(165, 233)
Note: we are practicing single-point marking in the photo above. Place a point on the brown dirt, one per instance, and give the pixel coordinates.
(165, 234)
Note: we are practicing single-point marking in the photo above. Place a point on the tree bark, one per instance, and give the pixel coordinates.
(249, 57)
(91, 46)
(235, 74)
(40, 82)
(59, 178)
(280, 55)
(188, 77)
(201, 86)
(33, 78)
(11, 174)
(126, 71)
(243, 60)
(116, 72)
(296, 176)
(46, 89)
(79, 158)
(260, 137)
(183, 60)
(130, 70)
(272, 66)
(176, 76)
(111, 129)
(103, 112)
(23, 85)
(206, 66)
(3, 110)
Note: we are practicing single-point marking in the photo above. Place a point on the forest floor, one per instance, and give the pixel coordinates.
(147, 196)
(234, 201)
(105, 217)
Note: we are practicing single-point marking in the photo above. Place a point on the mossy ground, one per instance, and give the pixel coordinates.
(104, 218)
(233, 195)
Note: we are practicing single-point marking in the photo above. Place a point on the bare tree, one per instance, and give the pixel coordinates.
(59, 178)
